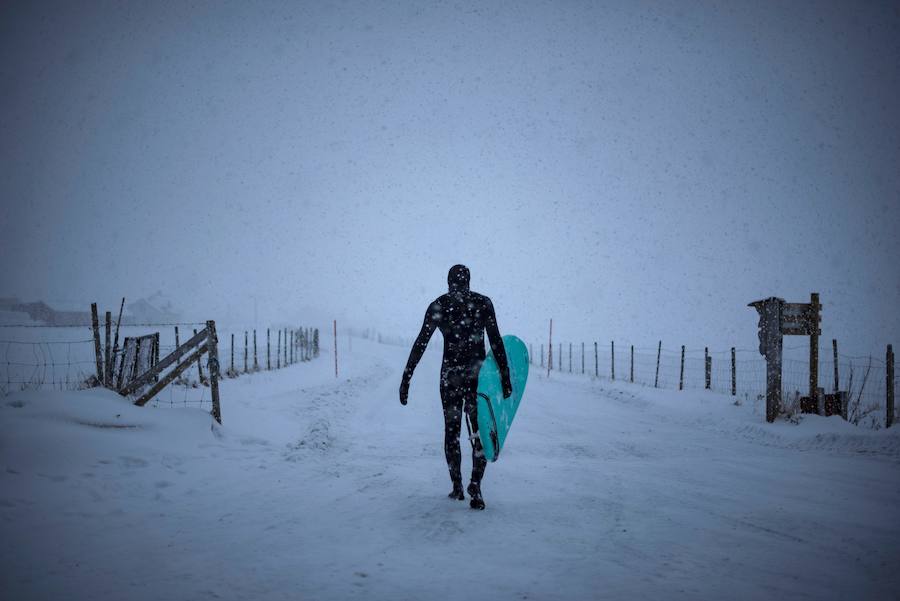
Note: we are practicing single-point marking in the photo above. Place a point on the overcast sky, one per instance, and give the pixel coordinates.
(634, 170)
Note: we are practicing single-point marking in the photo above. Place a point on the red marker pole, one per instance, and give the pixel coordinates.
(550, 346)
(335, 349)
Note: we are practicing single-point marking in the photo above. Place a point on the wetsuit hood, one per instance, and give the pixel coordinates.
(458, 278)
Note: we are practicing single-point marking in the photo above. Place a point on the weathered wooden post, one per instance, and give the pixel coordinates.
(278, 351)
(255, 360)
(95, 326)
(889, 386)
(232, 372)
(199, 366)
(706, 367)
(681, 374)
(612, 360)
(834, 350)
(177, 343)
(106, 370)
(268, 349)
(733, 373)
(658, 353)
(112, 360)
(814, 309)
(632, 365)
(212, 346)
(770, 346)
(550, 350)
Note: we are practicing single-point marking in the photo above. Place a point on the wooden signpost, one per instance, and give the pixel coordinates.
(778, 318)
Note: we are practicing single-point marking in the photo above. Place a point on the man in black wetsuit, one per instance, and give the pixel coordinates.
(462, 317)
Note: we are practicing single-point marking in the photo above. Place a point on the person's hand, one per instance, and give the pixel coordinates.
(507, 388)
(404, 392)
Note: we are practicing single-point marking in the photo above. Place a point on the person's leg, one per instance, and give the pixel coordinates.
(479, 463)
(452, 402)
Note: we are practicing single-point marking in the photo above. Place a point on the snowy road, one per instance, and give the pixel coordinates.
(313, 490)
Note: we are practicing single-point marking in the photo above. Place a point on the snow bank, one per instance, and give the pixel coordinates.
(325, 488)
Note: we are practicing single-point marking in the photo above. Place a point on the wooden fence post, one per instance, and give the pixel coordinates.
(889, 386)
(199, 366)
(613, 359)
(268, 349)
(212, 345)
(632, 364)
(681, 375)
(112, 360)
(596, 361)
(814, 348)
(177, 344)
(836, 379)
(278, 351)
(95, 326)
(550, 350)
(255, 361)
(733, 374)
(285, 347)
(706, 366)
(658, 353)
(232, 356)
(106, 371)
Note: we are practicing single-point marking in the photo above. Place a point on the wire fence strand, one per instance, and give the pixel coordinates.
(865, 378)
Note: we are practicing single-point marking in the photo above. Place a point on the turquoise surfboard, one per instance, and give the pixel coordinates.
(495, 414)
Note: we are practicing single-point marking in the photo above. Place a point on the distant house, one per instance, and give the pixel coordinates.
(155, 309)
(42, 312)
(152, 310)
(8, 302)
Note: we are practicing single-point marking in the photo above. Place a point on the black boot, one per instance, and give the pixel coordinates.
(475, 492)
(457, 492)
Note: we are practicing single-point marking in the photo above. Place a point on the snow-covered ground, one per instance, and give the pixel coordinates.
(322, 489)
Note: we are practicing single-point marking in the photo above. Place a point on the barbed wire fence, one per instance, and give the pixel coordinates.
(62, 357)
(740, 373)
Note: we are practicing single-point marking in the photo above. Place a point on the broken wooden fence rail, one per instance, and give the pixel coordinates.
(201, 342)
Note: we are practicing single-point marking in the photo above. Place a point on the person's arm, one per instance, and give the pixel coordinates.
(493, 332)
(418, 347)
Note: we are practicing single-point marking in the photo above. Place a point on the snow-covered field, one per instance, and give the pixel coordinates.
(322, 489)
